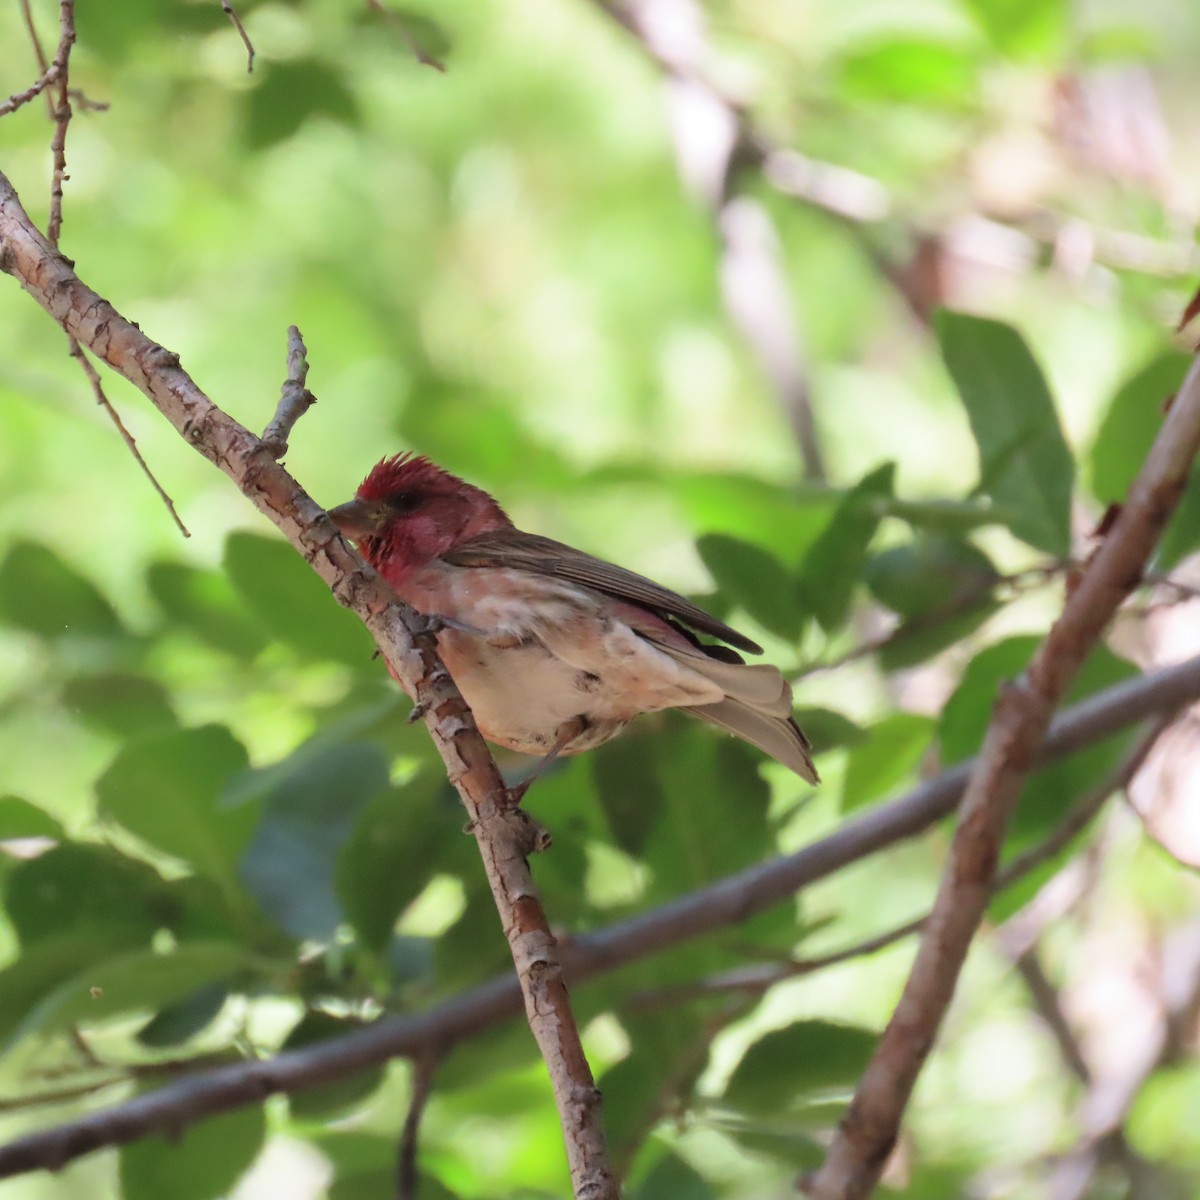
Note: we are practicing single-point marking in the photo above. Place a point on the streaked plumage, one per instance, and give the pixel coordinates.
(554, 650)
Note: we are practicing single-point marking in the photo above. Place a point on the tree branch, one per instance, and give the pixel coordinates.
(1019, 723)
(501, 832)
(725, 902)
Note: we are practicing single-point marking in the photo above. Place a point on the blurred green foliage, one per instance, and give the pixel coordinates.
(243, 847)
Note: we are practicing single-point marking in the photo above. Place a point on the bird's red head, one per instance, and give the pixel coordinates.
(409, 511)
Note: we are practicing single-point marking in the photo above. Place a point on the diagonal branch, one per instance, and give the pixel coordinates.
(1019, 724)
(725, 902)
(502, 838)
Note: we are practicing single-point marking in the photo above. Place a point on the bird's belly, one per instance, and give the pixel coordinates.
(522, 695)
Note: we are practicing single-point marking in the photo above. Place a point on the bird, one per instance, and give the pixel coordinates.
(556, 651)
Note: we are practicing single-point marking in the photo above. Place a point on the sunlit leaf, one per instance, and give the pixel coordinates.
(41, 593)
(833, 565)
(1024, 462)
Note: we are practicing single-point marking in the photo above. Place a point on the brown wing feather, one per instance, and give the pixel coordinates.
(544, 556)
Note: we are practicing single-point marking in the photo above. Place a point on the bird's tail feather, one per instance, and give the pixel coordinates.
(780, 737)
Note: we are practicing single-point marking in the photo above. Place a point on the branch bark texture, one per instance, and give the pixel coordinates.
(501, 834)
(1018, 727)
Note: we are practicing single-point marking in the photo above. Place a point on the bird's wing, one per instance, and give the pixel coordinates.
(512, 548)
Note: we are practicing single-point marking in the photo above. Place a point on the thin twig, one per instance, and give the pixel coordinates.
(418, 51)
(76, 351)
(17, 99)
(407, 1176)
(61, 113)
(504, 835)
(236, 21)
(726, 902)
(294, 397)
(1019, 724)
(62, 119)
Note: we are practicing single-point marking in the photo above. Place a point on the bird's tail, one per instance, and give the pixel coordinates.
(780, 737)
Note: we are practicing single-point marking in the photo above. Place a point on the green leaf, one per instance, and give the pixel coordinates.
(889, 756)
(788, 1065)
(167, 789)
(919, 639)
(135, 981)
(40, 593)
(119, 702)
(1051, 790)
(1024, 29)
(289, 93)
(20, 819)
(85, 887)
(910, 69)
(756, 580)
(42, 967)
(183, 1019)
(668, 1053)
(715, 818)
(1025, 464)
(1182, 535)
(201, 1162)
(290, 601)
(829, 730)
(1131, 424)
(401, 837)
(933, 572)
(310, 806)
(205, 603)
(834, 563)
(672, 1178)
(629, 790)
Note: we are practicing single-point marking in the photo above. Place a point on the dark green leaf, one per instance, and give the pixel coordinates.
(1025, 464)
(1134, 417)
(890, 755)
(829, 730)
(919, 639)
(756, 580)
(1182, 536)
(834, 564)
(40, 593)
(118, 702)
(788, 1065)
(672, 1178)
(204, 602)
(628, 786)
(289, 94)
(310, 807)
(184, 1018)
(292, 603)
(932, 573)
(85, 887)
(167, 789)
(202, 1162)
(20, 819)
(1052, 789)
(402, 837)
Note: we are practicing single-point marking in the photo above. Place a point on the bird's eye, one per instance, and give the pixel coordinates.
(403, 502)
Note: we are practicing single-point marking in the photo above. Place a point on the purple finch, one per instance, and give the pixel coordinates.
(556, 651)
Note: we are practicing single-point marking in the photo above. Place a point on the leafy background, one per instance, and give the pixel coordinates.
(221, 837)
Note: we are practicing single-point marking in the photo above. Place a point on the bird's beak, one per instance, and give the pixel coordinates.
(358, 518)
